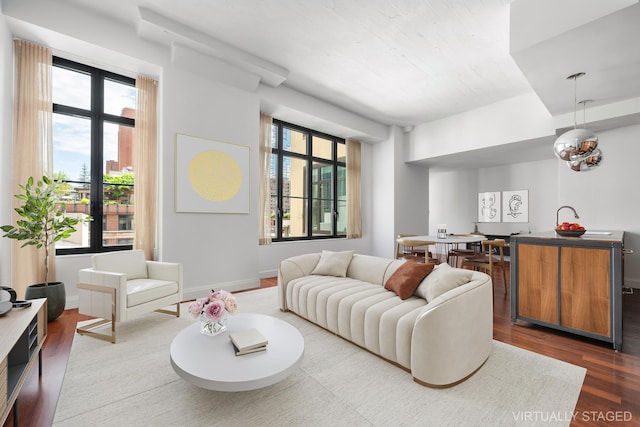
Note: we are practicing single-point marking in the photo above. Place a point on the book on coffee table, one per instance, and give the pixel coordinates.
(248, 341)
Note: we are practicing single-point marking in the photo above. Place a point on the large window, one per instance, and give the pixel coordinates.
(308, 184)
(93, 146)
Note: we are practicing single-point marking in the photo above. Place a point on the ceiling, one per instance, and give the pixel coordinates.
(407, 62)
(400, 62)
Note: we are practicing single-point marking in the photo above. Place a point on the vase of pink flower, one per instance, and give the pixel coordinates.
(213, 311)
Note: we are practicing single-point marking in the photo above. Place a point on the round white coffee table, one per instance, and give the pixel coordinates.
(210, 361)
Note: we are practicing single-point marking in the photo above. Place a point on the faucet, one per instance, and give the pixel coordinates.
(568, 207)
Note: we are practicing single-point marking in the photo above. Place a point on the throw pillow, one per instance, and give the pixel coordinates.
(333, 263)
(442, 279)
(407, 277)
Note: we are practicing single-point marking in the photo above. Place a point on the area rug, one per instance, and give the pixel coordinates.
(338, 384)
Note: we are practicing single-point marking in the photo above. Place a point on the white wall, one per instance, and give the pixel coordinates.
(401, 194)
(411, 201)
(605, 198)
(382, 208)
(217, 250)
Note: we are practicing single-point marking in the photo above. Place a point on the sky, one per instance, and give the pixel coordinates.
(72, 135)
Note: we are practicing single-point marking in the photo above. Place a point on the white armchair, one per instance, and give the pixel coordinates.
(123, 285)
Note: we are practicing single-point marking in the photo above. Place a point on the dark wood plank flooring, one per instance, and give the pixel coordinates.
(610, 395)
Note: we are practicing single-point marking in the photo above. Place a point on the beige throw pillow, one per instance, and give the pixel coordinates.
(443, 278)
(333, 263)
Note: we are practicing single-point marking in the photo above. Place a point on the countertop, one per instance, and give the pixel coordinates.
(598, 236)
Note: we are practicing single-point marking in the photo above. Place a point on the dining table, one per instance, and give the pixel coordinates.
(445, 243)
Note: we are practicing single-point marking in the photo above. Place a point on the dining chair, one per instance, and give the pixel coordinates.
(408, 248)
(456, 253)
(492, 256)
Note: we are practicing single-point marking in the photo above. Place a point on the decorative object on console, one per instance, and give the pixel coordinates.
(578, 147)
(213, 311)
(567, 229)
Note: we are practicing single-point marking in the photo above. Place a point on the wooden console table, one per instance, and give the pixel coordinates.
(23, 333)
(571, 284)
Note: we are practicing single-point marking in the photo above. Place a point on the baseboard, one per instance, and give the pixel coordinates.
(71, 302)
(268, 274)
(236, 285)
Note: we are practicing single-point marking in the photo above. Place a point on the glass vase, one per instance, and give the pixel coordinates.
(211, 328)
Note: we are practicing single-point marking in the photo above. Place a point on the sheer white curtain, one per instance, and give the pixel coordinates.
(264, 226)
(146, 165)
(32, 150)
(354, 220)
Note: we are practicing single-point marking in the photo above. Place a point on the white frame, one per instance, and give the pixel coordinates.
(515, 206)
(489, 207)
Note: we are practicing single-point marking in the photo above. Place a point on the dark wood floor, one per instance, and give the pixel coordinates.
(610, 394)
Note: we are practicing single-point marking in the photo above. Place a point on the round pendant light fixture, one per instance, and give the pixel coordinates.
(578, 147)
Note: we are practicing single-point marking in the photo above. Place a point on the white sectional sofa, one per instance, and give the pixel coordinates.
(441, 333)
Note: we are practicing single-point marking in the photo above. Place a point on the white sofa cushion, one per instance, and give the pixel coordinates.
(140, 291)
(132, 263)
(333, 263)
(443, 278)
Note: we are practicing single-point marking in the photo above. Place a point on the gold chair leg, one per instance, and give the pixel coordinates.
(175, 312)
(87, 330)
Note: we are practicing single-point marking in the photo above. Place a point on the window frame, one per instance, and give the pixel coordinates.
(311, 161)
(97, 117)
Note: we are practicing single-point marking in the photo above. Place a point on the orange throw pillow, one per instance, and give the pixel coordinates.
(407, 277)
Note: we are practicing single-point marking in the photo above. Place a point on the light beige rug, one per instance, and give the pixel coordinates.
(131, 383)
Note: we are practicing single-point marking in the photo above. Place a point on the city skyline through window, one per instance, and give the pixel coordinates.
(308, 184)
(93, 136)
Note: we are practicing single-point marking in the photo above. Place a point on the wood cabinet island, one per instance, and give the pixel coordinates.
(573, 284)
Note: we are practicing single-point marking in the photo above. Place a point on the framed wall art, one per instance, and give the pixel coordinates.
(489, 206)
(211, 176)
(515, 206)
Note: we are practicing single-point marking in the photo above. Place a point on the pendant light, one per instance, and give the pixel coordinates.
(577, 144)
(591, 160)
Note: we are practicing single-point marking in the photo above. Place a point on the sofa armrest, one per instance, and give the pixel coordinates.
(92, 304)
(171, 271)
(294, 268)
(453, 335)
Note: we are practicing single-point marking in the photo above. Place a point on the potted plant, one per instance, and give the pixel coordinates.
(42, 222)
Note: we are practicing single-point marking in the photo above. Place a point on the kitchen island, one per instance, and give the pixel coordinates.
(573, 284)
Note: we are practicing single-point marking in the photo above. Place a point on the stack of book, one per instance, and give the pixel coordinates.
(248, 341)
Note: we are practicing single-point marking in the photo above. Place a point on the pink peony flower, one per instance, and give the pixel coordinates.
(214, 310)
(195, 308)
(231, 304)
(219, 295)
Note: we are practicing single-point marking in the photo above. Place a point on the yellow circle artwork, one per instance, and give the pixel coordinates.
(215, 175)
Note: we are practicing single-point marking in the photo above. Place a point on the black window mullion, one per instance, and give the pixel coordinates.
(97, 158)
(280, 186)
(334, 159)
(309, 203)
